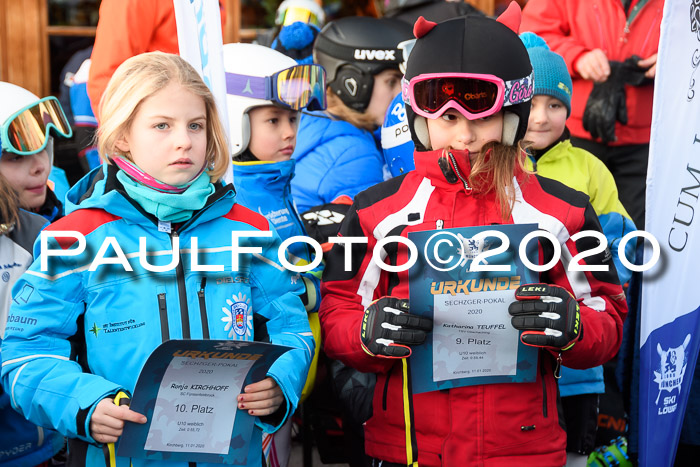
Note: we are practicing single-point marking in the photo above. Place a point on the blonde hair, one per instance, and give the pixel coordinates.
(493, 170)
(9, 206)
(338, 108)
(142, 76)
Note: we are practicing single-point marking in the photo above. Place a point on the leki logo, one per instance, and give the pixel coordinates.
(670, 375)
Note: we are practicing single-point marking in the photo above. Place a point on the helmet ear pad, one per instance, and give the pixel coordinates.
(511, 123)
(353, 86)
(245, 128)
(420, 127)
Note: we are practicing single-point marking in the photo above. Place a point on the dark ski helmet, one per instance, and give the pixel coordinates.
(392, 6)
(472, 44)
(354, 49)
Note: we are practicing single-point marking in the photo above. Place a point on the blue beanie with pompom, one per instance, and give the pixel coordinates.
(551, 75)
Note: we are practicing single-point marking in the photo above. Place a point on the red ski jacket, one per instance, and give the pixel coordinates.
(487, 425)
(573, 27)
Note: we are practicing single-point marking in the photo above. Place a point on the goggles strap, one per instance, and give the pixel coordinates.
(254, 87)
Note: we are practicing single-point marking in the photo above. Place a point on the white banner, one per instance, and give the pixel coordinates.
(201, 43)
(673, 177)
(670, 310)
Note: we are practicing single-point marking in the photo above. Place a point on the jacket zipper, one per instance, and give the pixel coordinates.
(467, 188)
(163, 310)
(544, 386)
(386, 390)
(203, 309)
(182, 293)
(297, 220)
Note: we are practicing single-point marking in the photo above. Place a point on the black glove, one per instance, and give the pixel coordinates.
(388, 329)
(548, 314)
(607, 102)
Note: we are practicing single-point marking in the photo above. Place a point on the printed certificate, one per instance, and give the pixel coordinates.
(188, 389)
(472, 341)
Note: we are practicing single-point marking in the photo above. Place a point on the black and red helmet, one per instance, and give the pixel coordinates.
(474, 45)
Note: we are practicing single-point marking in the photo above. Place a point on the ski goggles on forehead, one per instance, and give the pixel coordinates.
(473, 95)
(296, 13)
(27, 131)
(296, 88)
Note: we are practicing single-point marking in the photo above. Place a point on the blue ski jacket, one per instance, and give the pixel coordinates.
(22, 443)
(334, 158)
(78, 335)
(265, 187)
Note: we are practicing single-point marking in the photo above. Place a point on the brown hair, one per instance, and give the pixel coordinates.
(9, 205)
(138, 78)
(493, 170)
(338, 108)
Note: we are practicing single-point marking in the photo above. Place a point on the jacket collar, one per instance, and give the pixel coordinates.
(272, 169)
(446, 169)
(537, 153)
(108, 193)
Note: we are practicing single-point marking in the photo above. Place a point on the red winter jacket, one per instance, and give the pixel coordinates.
(572, 27)
(488, 425)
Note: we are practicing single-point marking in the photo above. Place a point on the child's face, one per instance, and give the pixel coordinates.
(273, 133)
(547, 121)
(454, 130)
(387, 85)
(168, 135)
(27, 175)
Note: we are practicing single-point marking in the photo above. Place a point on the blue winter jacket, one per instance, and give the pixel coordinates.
(22, 443)
(265, 187)
(334, 158)
(58, 358)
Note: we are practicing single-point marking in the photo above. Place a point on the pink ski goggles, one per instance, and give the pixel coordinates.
(473, 95)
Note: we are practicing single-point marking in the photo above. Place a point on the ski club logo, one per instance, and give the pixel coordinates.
(238, 316)
(470, 248)
(672, 366)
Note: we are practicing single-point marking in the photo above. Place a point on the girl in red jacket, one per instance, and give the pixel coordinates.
(468, 86)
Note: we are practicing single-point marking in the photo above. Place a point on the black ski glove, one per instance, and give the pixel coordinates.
(607, 102)
(388, 329)
(548, 314)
